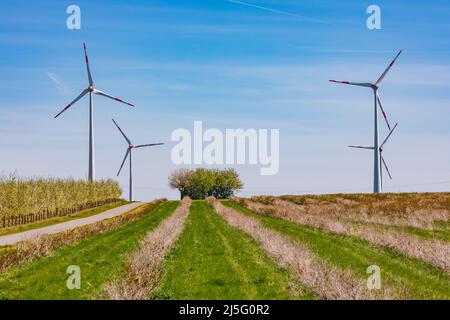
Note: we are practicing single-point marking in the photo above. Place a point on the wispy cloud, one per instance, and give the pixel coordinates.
(285, 13)
(179, 87)
(60, 86)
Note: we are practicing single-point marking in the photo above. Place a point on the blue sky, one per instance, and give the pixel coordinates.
(230, 65)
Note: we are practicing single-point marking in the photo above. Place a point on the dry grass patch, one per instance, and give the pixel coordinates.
(407, 210)
(144, 269)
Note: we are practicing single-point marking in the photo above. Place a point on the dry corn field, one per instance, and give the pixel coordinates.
(351, 247)
(30, 196)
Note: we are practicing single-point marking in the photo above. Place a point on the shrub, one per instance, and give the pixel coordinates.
(202, 183)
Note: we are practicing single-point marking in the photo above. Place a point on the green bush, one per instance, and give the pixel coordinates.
(202, 183)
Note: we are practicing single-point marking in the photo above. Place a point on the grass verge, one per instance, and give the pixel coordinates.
(56, 220)
(212, 260)
(420, 279)
(443, 235)
(101, 257)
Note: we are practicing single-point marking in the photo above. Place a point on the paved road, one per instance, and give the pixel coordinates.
(68, 225)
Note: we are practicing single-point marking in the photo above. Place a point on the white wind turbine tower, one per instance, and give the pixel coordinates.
(377, 149)
(128, 152)
(91, 90)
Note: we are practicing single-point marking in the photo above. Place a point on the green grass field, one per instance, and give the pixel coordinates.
(443, 235)
(211, 260)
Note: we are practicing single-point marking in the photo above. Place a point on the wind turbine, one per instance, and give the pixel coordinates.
(91, 90)
(128, 152)
(380, 153)
(377, 102)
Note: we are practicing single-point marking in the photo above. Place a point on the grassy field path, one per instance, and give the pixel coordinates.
(101, 258)
(212, 260)
(420, 279)
(443, 235)
(14, 238)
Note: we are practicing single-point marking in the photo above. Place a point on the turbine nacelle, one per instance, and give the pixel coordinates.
(130, 147)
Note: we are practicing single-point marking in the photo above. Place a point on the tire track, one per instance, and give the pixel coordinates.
(232, 261)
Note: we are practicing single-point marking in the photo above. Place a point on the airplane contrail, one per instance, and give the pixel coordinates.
(290, 14)
(60, 86)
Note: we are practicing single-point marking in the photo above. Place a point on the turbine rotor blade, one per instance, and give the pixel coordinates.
(91, 83)
(123, 134)
(148, 145)
(359, 84)
(387, 69)
(125, 158)
(111, 97)
(361, 147)
(73, 102)
(382, 111)
(386, 167)
(388, 136)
